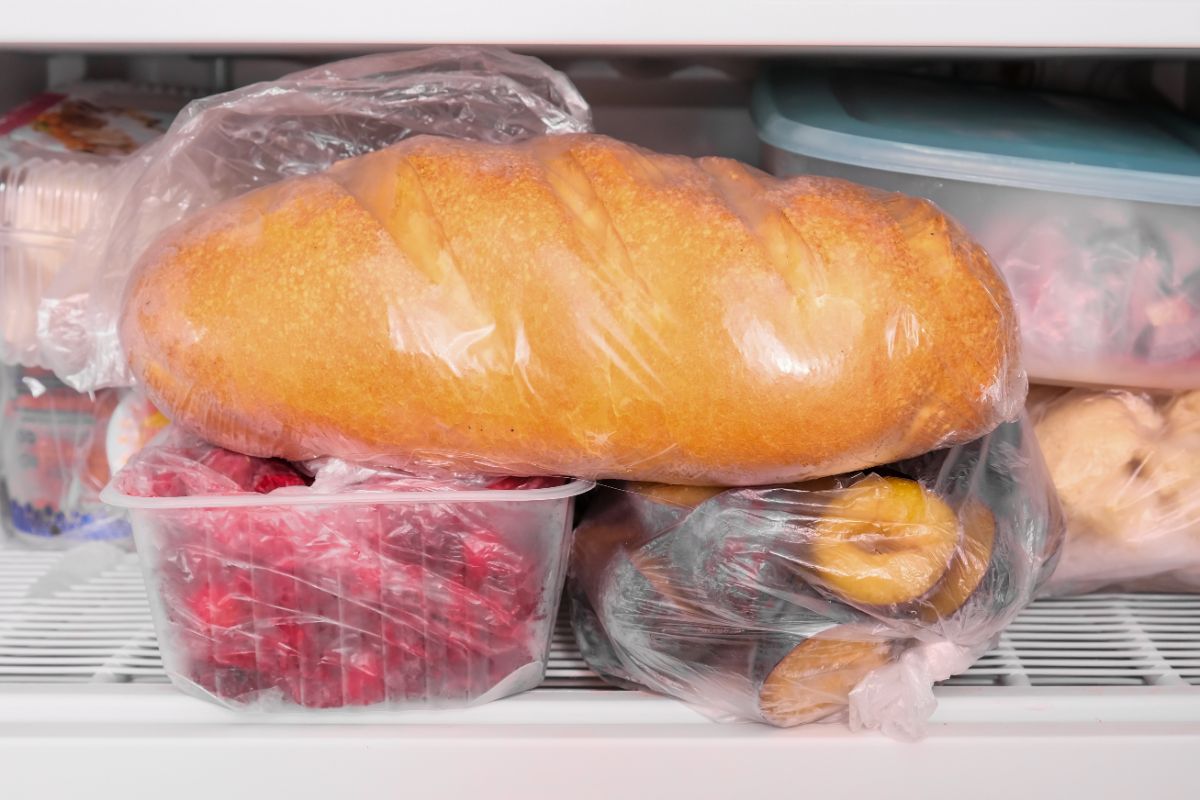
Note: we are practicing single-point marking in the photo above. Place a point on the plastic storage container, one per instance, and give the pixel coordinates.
(56, 152)
(44, 205)
(361, 598)
(1091, 210)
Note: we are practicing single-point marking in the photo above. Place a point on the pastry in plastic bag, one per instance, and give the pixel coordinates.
(1127, 467)
(800, 603)
(574, 305)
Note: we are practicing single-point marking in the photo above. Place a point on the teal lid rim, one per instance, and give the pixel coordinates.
(861, 149)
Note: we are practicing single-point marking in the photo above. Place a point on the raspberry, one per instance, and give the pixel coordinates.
(268, 481)
(235, 466)
(220, 606)
(525, 483)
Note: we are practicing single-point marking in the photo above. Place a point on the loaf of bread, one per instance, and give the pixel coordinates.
(574, 305)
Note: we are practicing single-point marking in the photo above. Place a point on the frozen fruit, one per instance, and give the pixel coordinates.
(341, 604)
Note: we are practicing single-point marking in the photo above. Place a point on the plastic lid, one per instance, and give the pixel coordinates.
(49, 197)
(983, 134)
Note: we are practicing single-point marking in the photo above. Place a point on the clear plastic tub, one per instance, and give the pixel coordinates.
(300, 599)
(44, 204)
(56, 152)
(1091, 210)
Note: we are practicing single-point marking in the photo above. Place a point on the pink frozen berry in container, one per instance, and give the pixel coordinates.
(271, 592)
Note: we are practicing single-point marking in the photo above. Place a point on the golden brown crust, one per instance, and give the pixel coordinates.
(968, 568)
(575, 305)
(815, 679)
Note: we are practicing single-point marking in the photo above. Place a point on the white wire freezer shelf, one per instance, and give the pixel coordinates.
(1097, 696)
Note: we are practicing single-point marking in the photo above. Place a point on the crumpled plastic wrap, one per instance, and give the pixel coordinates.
(225, 145)
(848, 596)
(1127, 468)
(365, 588)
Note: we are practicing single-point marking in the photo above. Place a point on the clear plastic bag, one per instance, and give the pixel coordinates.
(1127, 468)
(559, 305)
(365, 588)
(222, 146)
(795, 604)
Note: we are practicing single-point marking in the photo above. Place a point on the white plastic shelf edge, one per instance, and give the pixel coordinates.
(314, 24)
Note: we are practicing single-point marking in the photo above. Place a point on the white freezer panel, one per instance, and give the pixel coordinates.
(317, 24)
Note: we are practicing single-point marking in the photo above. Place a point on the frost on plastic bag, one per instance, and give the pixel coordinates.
(788, 604)
(1127, 468)
(267, 600)
(222, 146)
(574, 305)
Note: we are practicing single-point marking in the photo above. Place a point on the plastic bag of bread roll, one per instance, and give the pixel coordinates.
(843, 597)
(1127, 468)
(574, 305)
(560, 305)
(225, 145)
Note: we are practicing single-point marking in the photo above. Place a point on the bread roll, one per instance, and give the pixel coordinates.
(1127, 469)
(574, 305)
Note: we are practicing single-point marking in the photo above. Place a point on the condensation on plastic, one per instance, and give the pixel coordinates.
(54, 462)
(394, 591)
(225, 145)
(1107, 291)
(848, 596)
(1127, 469)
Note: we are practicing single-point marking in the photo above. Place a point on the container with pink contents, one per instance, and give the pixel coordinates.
(273, 590)
(1089, 209)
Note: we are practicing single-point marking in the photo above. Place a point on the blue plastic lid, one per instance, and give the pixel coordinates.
(1034, 140)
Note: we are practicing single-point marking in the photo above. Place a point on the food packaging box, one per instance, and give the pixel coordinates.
(1089, 209)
